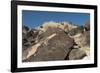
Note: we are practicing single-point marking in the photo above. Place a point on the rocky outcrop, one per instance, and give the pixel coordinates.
(55, 41)
(66, 26)
(87, 26)
(76, 54)
(28, 37)
(54, 48)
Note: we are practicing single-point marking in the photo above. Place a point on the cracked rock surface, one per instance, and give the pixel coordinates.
(54, 43)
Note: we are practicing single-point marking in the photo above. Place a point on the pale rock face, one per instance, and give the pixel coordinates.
(78, 39)
(68, 27)
(64, 26)
(86, 49)
(83, 40)
(50, 24)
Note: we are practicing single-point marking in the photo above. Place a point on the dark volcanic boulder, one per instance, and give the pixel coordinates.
(25, 29)
(76, 54)
(55, 48)
(75, 31)
(87, 26)
(83, 39)
(28, 37)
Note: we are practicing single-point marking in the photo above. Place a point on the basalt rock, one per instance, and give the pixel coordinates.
(76, 54)
(75, 31)
(83, 39)
(28, 37)
(55, 48)
(53, 42)
(87, 26)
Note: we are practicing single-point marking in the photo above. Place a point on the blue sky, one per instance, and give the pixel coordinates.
(34, 19)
